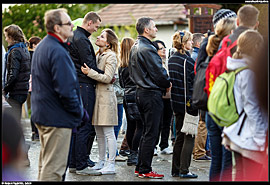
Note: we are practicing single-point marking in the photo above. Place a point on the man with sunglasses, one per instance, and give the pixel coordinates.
(56, 102)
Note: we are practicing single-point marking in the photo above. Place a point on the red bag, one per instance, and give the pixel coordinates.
(218, 63)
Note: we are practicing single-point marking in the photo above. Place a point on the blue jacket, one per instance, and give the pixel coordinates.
(55, 97)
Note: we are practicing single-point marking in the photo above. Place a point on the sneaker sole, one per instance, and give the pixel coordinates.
(196, 160)
(145, 177)
(87, 174)
(108, 173)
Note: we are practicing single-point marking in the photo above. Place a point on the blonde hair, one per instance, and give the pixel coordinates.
(223, 28)
(125, 48)
(249, 43)
(248, 15)
(180, 41)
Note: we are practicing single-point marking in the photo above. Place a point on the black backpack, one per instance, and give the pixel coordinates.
(199, 96)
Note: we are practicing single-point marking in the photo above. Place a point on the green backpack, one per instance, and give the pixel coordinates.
(221, 103)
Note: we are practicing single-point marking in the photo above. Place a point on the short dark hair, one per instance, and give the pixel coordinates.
(33, 40)
(142, 23)
(91, 16)
(156, 43)
(197, 37)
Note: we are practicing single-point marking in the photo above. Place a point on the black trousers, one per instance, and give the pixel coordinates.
(134, 131)
(164, 128)
(151, 107)
(182, 149)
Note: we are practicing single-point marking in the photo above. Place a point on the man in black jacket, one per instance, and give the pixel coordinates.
(82, 51)
(152, 82)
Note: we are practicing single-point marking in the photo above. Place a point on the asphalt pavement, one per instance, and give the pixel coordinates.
(160, 164)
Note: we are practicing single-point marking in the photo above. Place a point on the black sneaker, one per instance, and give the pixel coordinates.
(188, 175)
(132, 159)
(124, 152)
(90, 163)
(35, 137)
(203, 158)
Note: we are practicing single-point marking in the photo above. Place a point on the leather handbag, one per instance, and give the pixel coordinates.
(190, 123)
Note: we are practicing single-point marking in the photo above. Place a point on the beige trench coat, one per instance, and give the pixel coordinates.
(105, 110)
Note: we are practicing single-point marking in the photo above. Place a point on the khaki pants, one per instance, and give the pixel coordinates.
(53, 157)
(200, 140)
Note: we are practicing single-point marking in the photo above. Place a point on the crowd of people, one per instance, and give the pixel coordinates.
(78, 95)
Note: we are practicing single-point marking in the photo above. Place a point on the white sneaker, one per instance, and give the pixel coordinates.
(98, 165)
(87, 171)
(155, 152)
(166, 151)
(121, 158)
(108, 169)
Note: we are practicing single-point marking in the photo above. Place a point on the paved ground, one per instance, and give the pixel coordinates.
(161, 164)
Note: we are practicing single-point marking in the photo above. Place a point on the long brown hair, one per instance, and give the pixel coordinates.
(125, 48)
(15, 33)
(112, 40)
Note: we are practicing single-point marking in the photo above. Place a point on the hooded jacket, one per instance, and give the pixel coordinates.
(255, 126)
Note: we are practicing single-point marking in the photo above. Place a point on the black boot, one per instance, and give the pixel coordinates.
(132, 158)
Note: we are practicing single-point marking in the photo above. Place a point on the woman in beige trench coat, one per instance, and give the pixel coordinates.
(105, 110)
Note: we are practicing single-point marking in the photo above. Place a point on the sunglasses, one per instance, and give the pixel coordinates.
(181, 35)
(162, 48)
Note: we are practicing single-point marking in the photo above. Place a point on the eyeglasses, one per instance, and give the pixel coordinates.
(68, 23)
(162, 48)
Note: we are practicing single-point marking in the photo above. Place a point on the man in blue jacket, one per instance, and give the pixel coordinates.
(56, 102)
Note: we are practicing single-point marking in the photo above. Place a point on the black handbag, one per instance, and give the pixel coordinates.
(199, 96)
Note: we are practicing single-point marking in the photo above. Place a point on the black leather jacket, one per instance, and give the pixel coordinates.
(127, 84)
(82, 51)
(18, 71)
(145, 66)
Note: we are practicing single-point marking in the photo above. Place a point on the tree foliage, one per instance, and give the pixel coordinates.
(30, 17)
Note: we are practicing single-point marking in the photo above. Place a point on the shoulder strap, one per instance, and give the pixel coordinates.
(240, 69)
(225, 42)
(207, 60)
(185, 83)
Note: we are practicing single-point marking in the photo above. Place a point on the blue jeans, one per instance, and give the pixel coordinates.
(120, 117)
(221, 163)
(86, 130)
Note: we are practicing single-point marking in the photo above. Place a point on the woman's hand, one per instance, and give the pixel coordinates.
(85, 69)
